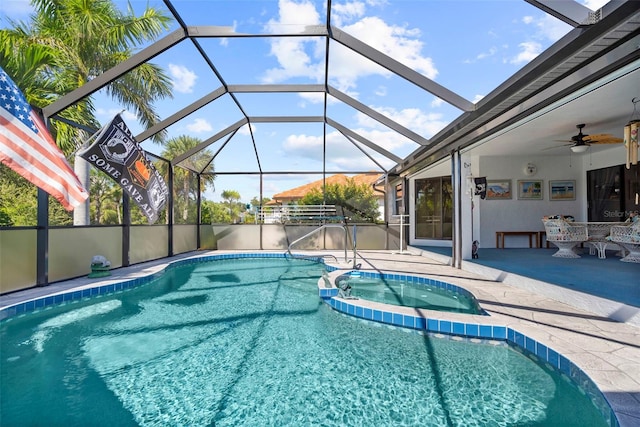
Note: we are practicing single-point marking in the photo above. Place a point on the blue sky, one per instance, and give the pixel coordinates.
(469, 47)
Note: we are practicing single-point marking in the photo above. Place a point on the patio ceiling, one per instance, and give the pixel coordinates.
(523, 113)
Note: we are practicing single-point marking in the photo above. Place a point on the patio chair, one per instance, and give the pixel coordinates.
(565, 236)
(628, 236)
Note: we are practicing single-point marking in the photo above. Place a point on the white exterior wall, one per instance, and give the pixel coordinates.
(490, 216)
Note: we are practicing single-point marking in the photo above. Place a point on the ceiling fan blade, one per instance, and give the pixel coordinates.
(603, 138)
(599, 136)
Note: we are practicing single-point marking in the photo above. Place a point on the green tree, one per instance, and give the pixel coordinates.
(231, 196)
(106, 203)
(233, 204)
(184, 176)
(358, 200)
(255, 202)
(67, 43)
(19, 202)
(220, 213)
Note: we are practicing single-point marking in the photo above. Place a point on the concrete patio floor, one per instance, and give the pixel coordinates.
(608, 351)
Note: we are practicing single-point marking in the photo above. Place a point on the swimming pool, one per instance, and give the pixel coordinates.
(409, 291)
(248, 342)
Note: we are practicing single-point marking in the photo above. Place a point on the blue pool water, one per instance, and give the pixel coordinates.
(409, 293)
(247, 342)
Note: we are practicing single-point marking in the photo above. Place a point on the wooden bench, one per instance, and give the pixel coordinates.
(500, 235)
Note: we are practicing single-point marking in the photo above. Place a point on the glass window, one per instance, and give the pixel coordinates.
(399, 205)
(434, 208)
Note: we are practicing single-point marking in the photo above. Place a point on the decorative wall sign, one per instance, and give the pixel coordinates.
(530, 189)
(562, 190)
(499, 189)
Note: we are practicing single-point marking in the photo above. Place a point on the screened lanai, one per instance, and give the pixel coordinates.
(319, 88)
(282, 93)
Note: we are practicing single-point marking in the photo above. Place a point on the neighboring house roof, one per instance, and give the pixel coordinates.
(299, 192)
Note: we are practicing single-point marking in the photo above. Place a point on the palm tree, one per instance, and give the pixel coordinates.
(65, 44)
(184, 177)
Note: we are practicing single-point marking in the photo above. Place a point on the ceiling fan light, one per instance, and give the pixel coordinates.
(579, 148)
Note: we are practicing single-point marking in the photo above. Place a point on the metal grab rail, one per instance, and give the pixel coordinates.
(346, 237)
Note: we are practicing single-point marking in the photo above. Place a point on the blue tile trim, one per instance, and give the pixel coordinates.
(71, 296)
(518, 340)
(410, 279)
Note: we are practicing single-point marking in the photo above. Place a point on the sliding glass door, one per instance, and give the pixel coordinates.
(434, 208)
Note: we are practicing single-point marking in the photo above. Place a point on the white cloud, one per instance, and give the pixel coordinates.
(595, 4)
(437, 102)
(551, 28)
(294, 61)
(346, 12)
(539, 30)
(424, 124)
(183, 78)
(339, 152)
(244, 130)
(304, 57)
(224, 41)
(528, 51)
(381, 91)
(492, 51)
(291, 54)
(400, 43)
(294, 17)
(313, 97)
(129, 117)
(199, 126)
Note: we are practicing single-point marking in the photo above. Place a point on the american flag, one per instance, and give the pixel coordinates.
(27, 147)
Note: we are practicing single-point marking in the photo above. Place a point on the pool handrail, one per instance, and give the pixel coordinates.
(346, 238)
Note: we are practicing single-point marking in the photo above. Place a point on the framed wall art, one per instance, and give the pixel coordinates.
(498, 189)
(530, 189)
(562, 190)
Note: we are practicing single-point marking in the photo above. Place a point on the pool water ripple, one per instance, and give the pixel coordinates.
(248, 342)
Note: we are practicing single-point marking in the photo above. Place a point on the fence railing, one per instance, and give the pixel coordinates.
(298, 214)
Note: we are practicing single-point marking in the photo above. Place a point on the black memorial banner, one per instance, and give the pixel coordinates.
(481, 187)
(116, 153)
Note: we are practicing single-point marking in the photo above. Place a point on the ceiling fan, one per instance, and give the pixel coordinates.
(581, 142)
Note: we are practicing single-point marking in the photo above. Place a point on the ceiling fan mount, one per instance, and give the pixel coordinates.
(579, 138)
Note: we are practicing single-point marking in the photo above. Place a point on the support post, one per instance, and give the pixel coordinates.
(42, 240)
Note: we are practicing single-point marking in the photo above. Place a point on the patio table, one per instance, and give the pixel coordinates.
(598, 232)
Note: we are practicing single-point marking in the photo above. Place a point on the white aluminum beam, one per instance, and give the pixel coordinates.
(274, 88)
(377, 116)
(237, 125)
(228, 32)
(401, 70)
(158, 127)
(286, 119)
(351, 134)
(568, 11)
